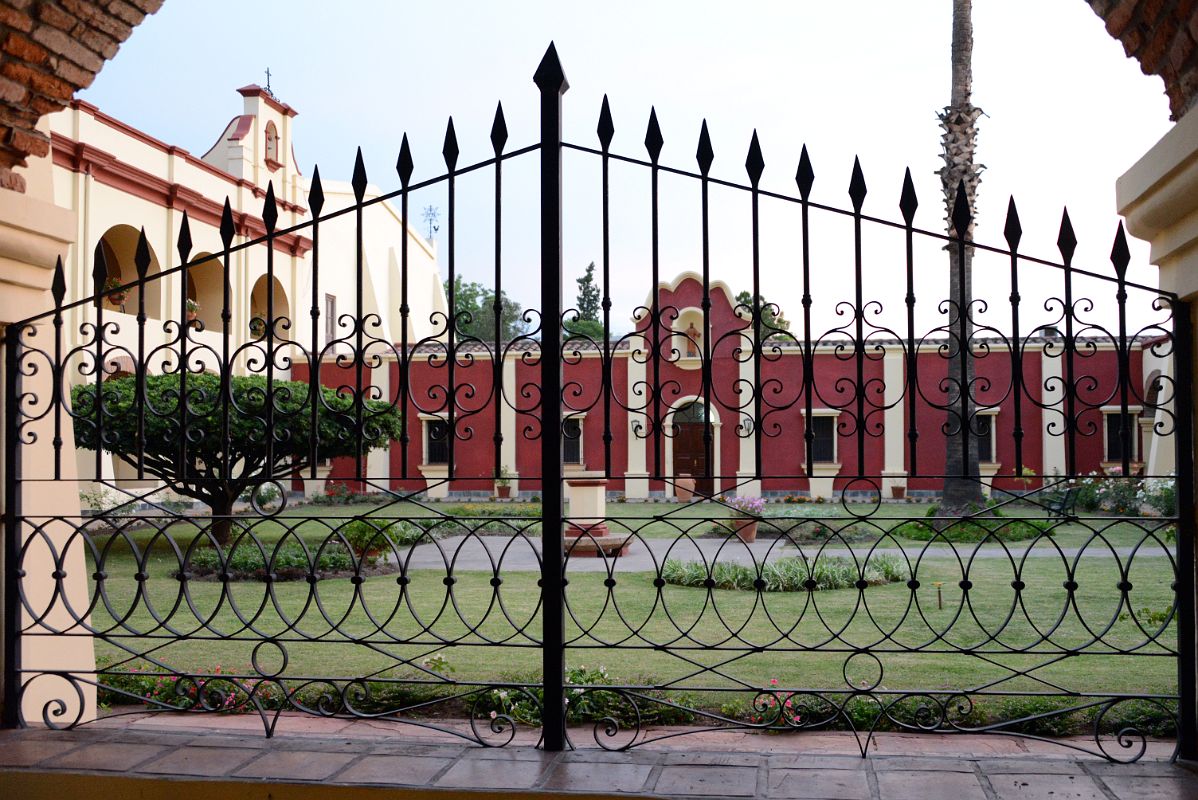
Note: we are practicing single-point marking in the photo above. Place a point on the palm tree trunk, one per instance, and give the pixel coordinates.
(962, 487)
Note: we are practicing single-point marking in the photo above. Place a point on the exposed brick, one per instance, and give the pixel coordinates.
(64, 45)
(126, 12)
(15, 19)
(49, 85)
(99, 42)
(1180, 52)
(1132, 40)
(1150, 10)
(1156, 49)
(1119, 17)
(53, 15)
(1194, 27)
(12, 92)
(148, 6)
(76, 76)
(33, 143)
(30, 52)
(11, 180)
(97, 17)
(43, 105)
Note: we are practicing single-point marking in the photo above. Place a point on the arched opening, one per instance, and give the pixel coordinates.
(690, 454)
(272, 143)
(205, 285)
(260, 312)
(119, 244)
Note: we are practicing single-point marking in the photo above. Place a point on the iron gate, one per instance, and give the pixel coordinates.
(1056, 603)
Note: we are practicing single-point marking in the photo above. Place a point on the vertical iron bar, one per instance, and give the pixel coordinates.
(451, 394)
(1013, 233)
(12, 530)
(710, 468)
(1070, 376)
(655, 340)
(184, 243)
(858, 341)
(1123, 353)
(268, 467)
(607, 353)
(758, 323)
(359, 343)
(227, 230)
(912, 392)
(804, 177)
(405, 174)
(56, 376)
(552, 83)
(99, 278)
(139, 368)
(1187, 734)
(316, 353)
(964, 351)
(497, 358)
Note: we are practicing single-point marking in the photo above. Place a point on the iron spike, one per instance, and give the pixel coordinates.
(403, 164)
(183, 245)
(270, 209)
(804, 175)
(1066, 240)
(653, 140)
(857, 188)
(606, 129)
(549, 75)
(316, 193)
(498, 130)
(704, 154)
(908, 202)
(141, 258)
(754, 162)
(58, 287)
(962, 217)
(359, 177)
(1120, 255)
(450, 149)
(1012, 230)
(227, 229)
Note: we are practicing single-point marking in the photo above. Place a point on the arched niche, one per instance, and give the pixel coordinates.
(205, 285)
(259, 309)
(119, 244)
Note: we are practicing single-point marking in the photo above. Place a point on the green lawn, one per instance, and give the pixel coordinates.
(684, 637)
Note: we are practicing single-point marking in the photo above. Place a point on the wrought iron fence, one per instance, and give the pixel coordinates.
(1054, 605)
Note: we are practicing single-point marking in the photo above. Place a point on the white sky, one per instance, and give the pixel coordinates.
(1066, 114)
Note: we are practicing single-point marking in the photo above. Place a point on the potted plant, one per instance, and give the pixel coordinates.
(116, 295)
(746, 514)
(898, 491)
(193, 308)
(503, 484)
(684, 488)
(257, 327)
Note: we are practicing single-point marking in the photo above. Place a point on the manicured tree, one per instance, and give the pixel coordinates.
(205, 469)
(588, 323)
(773, 318)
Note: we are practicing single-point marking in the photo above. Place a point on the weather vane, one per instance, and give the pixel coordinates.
(430, 216)
(268, 91)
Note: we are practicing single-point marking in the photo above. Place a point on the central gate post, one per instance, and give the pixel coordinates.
(1187, 679)
(550, 79)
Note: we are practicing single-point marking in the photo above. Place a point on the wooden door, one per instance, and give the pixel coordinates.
(689, 456)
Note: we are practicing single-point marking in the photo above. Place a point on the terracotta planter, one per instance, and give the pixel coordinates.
(898, 492)
(503, 492)
(118, 298)
(746, 529)
(684, 488)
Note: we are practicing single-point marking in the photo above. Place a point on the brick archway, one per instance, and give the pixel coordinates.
(50, 49)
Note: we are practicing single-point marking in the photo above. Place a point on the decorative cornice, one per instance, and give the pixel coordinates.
(254, 90)
(107, 169)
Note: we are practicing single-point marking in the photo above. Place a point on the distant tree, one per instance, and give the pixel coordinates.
(474, 306)
(771, 321)
(201, 476)
(588, 323)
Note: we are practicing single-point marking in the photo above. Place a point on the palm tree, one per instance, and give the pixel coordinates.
(961, 486)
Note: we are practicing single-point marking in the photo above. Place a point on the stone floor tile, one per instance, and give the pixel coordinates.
(917, 764)
(1143, 768)
(509, 754)
(922, 785)
(714, 759)
(594, 755)
(297, 765)
(1143, 788)
(397, 770)
(239, 741)
(106, 756)
(707, 780)
(209, 762)
(1006, 766)
(805, 761)
(819, 784)
(476, 773)
(595, 777)
(1027, 786)
(26, 753)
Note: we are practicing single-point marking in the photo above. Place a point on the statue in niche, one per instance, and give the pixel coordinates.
(692, 341)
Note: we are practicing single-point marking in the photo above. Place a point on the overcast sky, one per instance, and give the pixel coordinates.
(1066, 114)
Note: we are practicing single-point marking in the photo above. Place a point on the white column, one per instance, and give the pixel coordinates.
(1053, 460)
(378, 462)
(507, 427)
(746, 465)
(636, 479)
(894, 419)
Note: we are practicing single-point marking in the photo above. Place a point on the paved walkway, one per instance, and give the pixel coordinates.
(327, 753)
(521, 554)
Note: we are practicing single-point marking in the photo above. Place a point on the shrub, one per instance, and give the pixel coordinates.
(786, 574)
(244, 560)
(371, 536)
(974, 529)
(1159, 494)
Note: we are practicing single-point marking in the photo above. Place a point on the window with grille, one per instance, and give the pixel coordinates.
(436, 441)
(823, 446)
(572, 440)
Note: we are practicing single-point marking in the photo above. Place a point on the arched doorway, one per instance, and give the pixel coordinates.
(690, 455)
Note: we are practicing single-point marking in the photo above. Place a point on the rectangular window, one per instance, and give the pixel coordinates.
(985, 434)
(330, 318)
(572, 440)
(436, 441)
(823, 446)
(1114, 435)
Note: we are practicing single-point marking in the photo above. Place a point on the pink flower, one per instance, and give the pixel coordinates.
(773, 681)
(494, 715)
